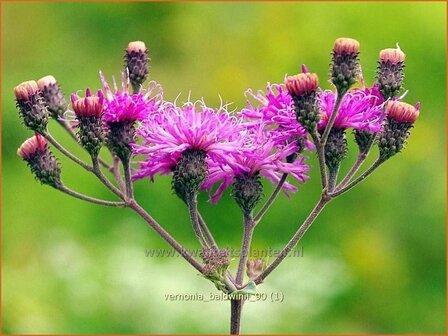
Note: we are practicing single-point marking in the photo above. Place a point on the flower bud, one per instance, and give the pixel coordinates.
(254, 267)
(31, 106)
(390, 72)
(88, 111)
(189, 173)
(345, 64)
(400, 118)
(215, 260)
(41, 161)
(247, 192)
(335, 148)
(120, 136)
(136, 63)
(53, 95)
(364, 140)
(303, 90)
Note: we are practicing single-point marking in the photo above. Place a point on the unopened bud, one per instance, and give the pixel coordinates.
(335, 148)
(189, 173)
(247, 192)
(400, 118)
(136, 63)
(303, 90)
(364, 140)
(32, 108)
(390, 72)
(215, 260)
(41, 161)
(88, 111)
(345, 64)
(53, 95)
(254, 267)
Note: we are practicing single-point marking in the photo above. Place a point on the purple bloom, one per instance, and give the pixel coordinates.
(275, 109)
(171, 130)
(121, 106)
(260, 154)
(359, 109)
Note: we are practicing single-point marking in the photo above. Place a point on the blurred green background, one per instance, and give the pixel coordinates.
(374, 262)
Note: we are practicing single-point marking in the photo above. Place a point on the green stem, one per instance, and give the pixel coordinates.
(321, 159)
(326, 133)
(192, 204)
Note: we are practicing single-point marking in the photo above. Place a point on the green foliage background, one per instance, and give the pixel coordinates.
(374, 262)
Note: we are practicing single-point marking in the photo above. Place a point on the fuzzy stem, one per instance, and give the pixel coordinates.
(271, 198)
(358, 163)
(115, 170)
(64, 151)
(127, 178)
(332, 178)
(236, 307)
(76, 194)
(321, 159)
(359, 179)
(206, 232)
(295, 239)
(165, 235)
(97, 171)
(192, 204)
(248, 230)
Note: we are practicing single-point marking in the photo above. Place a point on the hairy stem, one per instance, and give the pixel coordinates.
(192, 204)
(358, 163)
(127, 179)
(165, 235)
(115, 170)
(248, 230)
(332, 178)
(271, 198)
(97, 171)
(359, 179)
(321, 158)
(206, 232)
(295, 239)
(76, 194)
(64, 151)
(235, 316)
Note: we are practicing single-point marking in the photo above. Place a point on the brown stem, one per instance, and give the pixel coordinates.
(83, 197)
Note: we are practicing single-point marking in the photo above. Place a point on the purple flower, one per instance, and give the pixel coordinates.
(275, 109)
(260, 154)
(171, 130)
(360, 109)
(121, 106)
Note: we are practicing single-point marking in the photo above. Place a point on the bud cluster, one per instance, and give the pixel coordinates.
(41, 161)
(254, 267)
(31, 105)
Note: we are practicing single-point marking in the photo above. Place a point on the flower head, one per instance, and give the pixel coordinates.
(53, 96)
(260, 155)
(89, 106)
(402, 112)
(392, 55)
(32, 146)
(26, 90)
(305, 82)
(120, 105)
(136, 63)
(344, 45)
(358, 110)
(173, 130)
